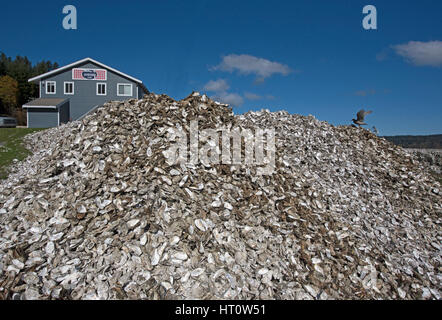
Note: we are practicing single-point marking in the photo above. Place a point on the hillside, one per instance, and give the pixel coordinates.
(417, 142)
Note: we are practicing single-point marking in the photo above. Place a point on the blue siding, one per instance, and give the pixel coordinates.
(42, 118)
(85, 97)
(141, 93)
(64, 112)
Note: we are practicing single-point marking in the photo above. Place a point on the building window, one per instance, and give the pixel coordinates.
(68, 87)
(101, 89)
(124, 89)
(51, 87)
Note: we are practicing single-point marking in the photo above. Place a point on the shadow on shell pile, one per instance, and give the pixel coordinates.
(96, 213)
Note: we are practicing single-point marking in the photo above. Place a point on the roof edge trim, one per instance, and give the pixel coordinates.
(79, 62)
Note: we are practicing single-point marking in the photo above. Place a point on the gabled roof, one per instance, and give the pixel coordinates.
(80, 62)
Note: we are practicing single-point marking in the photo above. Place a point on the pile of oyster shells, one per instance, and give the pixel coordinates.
(432, 158)
(96, 212)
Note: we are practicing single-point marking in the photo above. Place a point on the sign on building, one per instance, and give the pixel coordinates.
(89, 74)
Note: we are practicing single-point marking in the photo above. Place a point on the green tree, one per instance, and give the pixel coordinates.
(8, 93)
(3, 62)
(21, 69)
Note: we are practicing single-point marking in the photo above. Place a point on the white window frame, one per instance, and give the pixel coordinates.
(55, 87)
(105, 89)
(73, 87)
(125, 95)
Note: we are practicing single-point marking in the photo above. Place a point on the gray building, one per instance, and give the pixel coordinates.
(70, 92)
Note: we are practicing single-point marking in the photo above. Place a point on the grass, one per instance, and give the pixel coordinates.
(11, 147)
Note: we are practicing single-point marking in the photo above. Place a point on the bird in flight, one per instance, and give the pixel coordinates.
(360, 117)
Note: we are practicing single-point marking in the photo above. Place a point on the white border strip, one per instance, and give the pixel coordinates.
(55, 87)
(125, 95)
(105, 89)
(39, 107)
(73, 88)
(86, 69)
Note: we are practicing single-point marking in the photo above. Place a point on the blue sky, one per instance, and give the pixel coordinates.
(307, 57)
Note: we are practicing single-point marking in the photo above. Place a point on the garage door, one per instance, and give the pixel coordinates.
(42, 118)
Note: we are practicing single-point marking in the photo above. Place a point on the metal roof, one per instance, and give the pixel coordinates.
(80, 62)
(45, 103)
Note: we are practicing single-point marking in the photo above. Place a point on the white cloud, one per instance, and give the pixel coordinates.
(421, 53)
(216, 85)
(247, 64)
(233, 99)
(220, 88)
(363, 93)
(252, 96)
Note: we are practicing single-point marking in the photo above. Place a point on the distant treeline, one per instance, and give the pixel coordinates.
(418, 142)
(15, 90)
